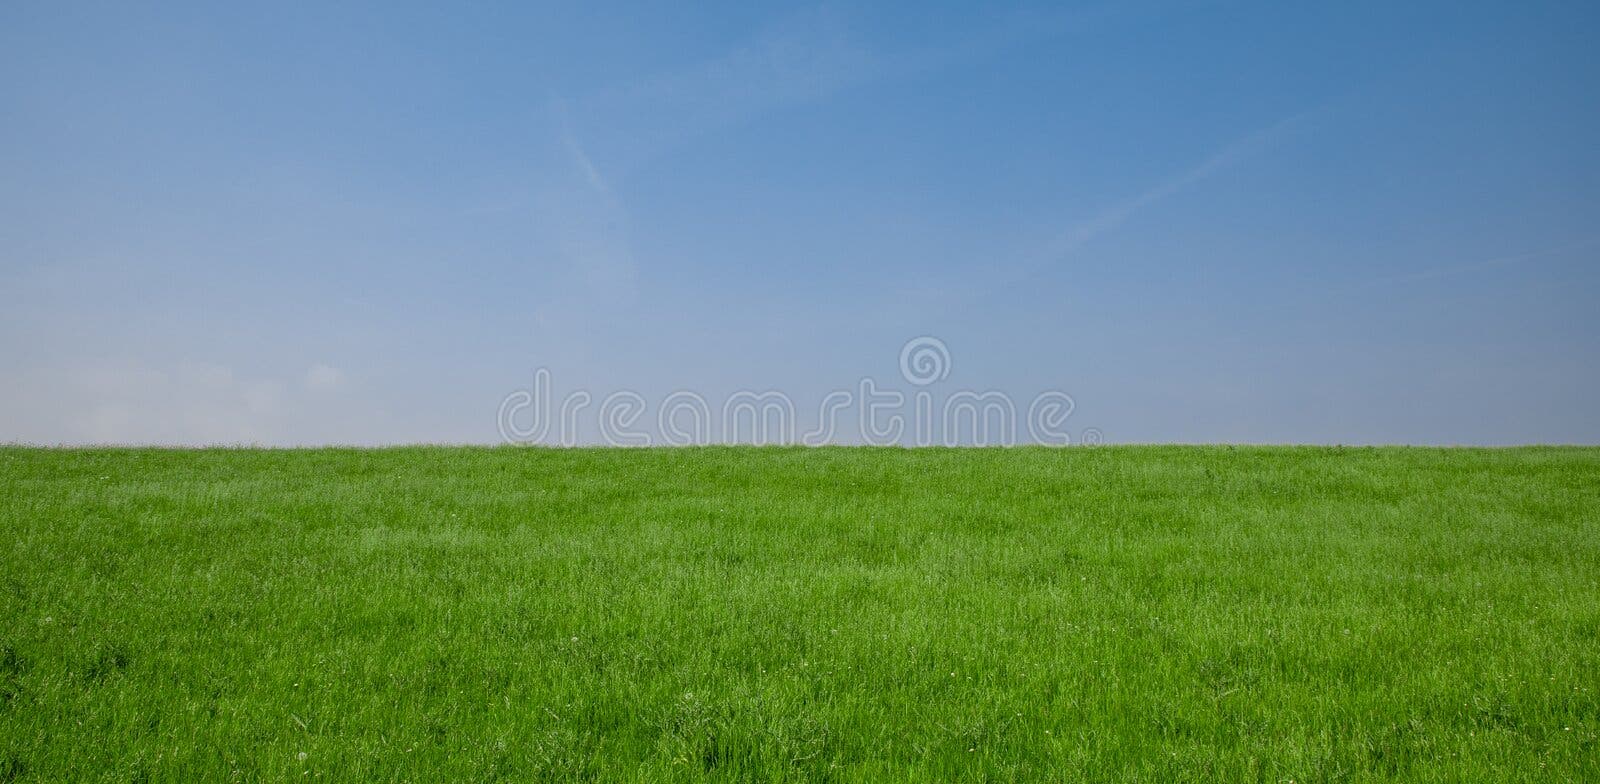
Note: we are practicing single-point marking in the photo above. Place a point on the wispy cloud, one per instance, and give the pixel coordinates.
(1107, 220)
(1112, 217)
(322, 377)
(583, 224)
(809, 56)
(803, 58)
(579, 156)
(1498, 261)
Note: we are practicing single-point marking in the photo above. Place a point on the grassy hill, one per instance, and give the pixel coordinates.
(849, 614)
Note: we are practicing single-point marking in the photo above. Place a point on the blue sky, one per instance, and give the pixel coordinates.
(1241, 222)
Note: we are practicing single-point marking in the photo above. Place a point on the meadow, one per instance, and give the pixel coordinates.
(1152, 614)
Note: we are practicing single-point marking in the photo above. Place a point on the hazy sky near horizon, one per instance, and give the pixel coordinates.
(1205, 221)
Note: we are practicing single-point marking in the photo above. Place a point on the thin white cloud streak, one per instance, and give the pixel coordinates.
(592, 228)
(580, 157)
(808, 57)
(1108, 220)
(583, 225)
(1500, 261)
(1113, 217)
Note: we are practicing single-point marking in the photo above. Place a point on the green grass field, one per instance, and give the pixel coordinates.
(786, 614)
